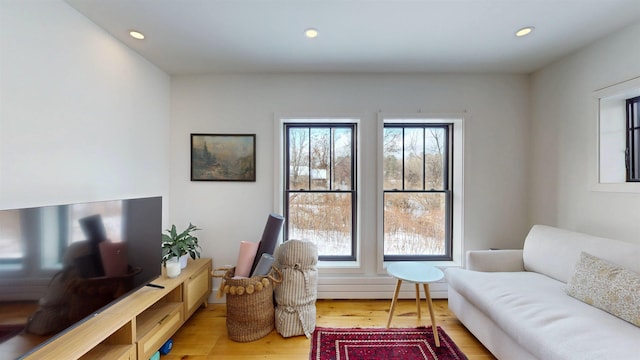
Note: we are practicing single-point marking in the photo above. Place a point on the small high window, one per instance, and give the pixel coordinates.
(618, 142)
(632, 152)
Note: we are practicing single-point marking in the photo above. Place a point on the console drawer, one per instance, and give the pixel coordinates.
(159, 328)
(197, 289)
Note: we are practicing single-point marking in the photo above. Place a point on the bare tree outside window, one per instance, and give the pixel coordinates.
(320, 187)
(417, 197)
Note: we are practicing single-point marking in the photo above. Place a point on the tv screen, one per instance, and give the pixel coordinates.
(61, 264)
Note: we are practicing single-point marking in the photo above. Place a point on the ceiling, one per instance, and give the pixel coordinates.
(470, 36)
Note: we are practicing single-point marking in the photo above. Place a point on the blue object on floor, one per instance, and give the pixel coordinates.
(164, 350)
(156, 356)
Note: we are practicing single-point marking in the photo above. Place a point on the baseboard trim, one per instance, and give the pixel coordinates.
(365, 287)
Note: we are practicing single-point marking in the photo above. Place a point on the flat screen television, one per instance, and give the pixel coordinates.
(62, 264)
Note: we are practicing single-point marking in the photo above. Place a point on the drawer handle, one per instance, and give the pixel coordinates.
(164, 318)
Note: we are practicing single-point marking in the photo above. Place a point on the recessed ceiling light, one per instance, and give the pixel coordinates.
(311, 33)
(136, 34)
(525, 31)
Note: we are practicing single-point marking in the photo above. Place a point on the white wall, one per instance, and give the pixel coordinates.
(564, 140)
(82, 116)
(496, 148)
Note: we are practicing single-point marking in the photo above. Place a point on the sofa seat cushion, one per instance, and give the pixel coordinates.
(537, 313)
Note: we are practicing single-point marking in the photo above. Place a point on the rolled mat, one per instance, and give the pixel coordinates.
(246, 256)
(264, 265)
(269, 238)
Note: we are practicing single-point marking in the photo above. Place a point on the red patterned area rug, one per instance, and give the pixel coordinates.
(379, 344)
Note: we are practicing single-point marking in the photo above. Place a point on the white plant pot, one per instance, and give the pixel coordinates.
(173, 267)
(183, 261)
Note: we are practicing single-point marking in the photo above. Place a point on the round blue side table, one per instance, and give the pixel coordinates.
(417, 273)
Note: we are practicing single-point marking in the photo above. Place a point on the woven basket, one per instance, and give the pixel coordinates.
(250, 308)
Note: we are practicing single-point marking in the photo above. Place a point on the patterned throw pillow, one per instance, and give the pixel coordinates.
(606, 286)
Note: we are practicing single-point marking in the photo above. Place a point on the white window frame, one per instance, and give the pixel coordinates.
(610, 113)
(457, 234)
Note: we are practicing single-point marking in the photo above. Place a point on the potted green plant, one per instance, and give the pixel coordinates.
(179, 245)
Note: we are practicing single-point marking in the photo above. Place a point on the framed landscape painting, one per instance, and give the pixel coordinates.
(223, 157)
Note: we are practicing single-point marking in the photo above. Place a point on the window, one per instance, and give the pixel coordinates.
(417, 191)
(617, 165)
(320, 186)
(632, 152)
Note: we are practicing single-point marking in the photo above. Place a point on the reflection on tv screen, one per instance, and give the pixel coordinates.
(60, 264)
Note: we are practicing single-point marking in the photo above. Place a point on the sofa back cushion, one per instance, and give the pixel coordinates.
(554, 252)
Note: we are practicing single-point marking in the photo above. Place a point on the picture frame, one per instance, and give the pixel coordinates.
(223, 157)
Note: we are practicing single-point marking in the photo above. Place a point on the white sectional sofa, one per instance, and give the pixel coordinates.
(516, 302)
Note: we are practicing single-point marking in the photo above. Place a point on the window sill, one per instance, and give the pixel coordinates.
(349, 268)
(617, 187)
(339, 267)
(439, 264)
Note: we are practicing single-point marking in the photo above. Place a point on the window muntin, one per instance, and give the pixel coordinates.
(632, 152)
(320, 187)
(417, 191)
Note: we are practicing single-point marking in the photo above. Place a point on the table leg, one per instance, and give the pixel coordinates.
(434, 326)
(418, 299)
(393, 302)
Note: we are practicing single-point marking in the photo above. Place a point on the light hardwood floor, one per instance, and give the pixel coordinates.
(204, 336)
